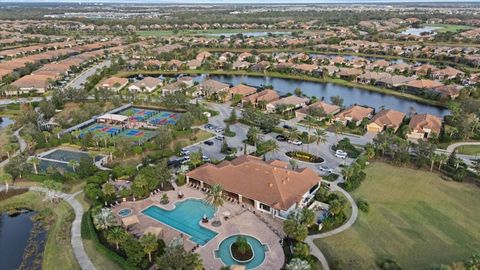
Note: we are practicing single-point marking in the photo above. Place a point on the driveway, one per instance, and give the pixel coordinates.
(82, 77)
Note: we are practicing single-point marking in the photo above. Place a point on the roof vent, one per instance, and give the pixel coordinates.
(270, 185)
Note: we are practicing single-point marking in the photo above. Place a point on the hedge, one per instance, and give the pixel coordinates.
(88, 233)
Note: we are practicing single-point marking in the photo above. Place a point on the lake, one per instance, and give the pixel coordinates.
(418, 31)
(15, 232)
(249, 34)
(6, 122)
(351, 95)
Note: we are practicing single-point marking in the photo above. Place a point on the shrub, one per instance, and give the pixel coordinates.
(363, 205)
(181, 179)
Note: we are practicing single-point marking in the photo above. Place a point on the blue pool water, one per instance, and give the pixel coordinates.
(125, 212)
(225, 255)
(186, 218)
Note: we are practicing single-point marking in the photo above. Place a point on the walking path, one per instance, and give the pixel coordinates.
(76, 237)
(453, 146)
(21, 142)
(313, 248)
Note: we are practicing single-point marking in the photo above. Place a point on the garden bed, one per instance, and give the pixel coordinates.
(305, 157)
(238, 255)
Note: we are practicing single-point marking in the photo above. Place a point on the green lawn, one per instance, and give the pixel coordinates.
(58, 253)
(449, 27)
(415, 218)
(469, 150)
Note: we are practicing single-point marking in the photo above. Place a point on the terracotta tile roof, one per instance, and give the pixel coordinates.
(149, 82)
(212, 86)
(423, 84)
(290, 100)
(326, 107)
(419, 122)
(243, 90)
(33, 81)
(110, 82)
(356, 113)
(388, 118)
(268, 95)
(268, 182)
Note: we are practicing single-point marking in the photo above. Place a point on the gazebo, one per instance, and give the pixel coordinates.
(131, 220)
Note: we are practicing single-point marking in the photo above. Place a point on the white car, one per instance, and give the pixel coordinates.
(325, 169)
(341, 154)
(295, 142)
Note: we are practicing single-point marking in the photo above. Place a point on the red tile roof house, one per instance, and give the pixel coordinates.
(241, 89)
(354, 114)
(292, 103)
(210, 88)
(147, 84)
(450, 91)
(385, 119)
(422, 85)
(448, 73)
(328, 109)
(422, 126)
(32, 83)
(266, 96)
(268, 187)
(113, 83)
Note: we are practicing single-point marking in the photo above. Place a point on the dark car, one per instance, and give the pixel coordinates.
(208, 142)
(266, 130)
(287, 127)
(281, 138)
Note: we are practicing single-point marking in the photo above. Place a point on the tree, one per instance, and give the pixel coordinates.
(233, 117)
(337, 206)
(6, 179)
(10, 148)
(253, 135)
(74, 164)
(242, 244)
(196, 158)
(149, 244)
(337, 100)
(301, 250)
(117, 236)
(46, 135)
(52, 188)
(298, 264)
(298, 92)
(295, 229)
(185, 121)
(215, 197)
(34, 161)
(320, 136)
(104, 219)
(108, 190)
(176, 258)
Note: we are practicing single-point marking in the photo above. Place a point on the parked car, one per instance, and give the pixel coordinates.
(281, 138)
(287, 127)
(341, 154)
(219, 130)
(208, 126)
(220, 137)
(266, 130)
(185, 152)
(205, 159)
(325, 169)
(295, 142)
(208, 142)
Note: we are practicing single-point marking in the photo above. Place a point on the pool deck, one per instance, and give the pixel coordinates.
(241, 221)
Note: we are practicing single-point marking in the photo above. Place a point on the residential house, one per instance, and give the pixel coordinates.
(422, 85)
(448, 73)
(194, 64)
(384, 120)
(394, 81)
(266, 96)
(354, 114)
(268, 187)
(291, 103)
(32, 83)
(451, 91)
(147, 84)
(211, 87)
(113, 83)
(326, 108)
(241, 89)
(423, 126)
(349, 73)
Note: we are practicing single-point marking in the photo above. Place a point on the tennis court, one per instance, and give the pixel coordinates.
(59, 159)
(151, 116)
(102, 130)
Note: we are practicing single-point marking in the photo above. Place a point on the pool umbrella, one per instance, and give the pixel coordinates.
(226, 213)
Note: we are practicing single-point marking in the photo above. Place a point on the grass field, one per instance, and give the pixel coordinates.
(415, 217)
(449, 27)
(58, 252)
(469, 150)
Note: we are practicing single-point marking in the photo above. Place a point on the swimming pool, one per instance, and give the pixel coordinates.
(125, 212)
(186, 218)
(225, 255)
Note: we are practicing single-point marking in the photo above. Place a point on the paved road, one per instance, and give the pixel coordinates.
(76, 237)
(453, 146)
(21, 142)
(82, 77)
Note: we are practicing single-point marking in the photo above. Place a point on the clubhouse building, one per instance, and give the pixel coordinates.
(269, 187)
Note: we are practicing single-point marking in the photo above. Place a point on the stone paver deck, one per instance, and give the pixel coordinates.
(241, 221)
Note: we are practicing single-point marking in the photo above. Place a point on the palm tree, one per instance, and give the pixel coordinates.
(7, 179)
(215, 197)
(320, 136)
(10, 148)
(441, 160)
(47, 135)
(73, 163)
(116, 235)
(56, 131)
(253, 135)
(348, 172)
(34, 161)
(149, 244)
(337, 129)
(104, 219)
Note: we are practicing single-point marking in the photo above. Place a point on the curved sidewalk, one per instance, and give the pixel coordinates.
(76, 237)
(313, 248)
(453, 146)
